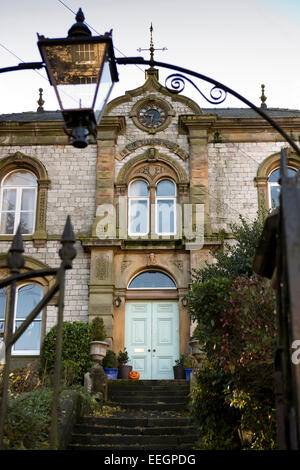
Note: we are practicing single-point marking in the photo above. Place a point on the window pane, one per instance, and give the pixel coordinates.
(20, 178)
(9, 199)
(30, 339)
(165, 216)
(275, 191)
(2, 311)
(165, 188)
(275, 175)
(7, 222)
(28, 200)
(26, 220)
(152, 280)
(138, 188)
(28, 297)
(2, 303)
(138, 216)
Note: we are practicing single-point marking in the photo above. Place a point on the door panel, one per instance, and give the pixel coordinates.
(152, 338)
(138, 337)
(165, 339)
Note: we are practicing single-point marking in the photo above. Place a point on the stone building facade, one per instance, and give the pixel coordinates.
(147, 202)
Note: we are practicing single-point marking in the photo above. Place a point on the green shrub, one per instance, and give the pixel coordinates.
(110, 360)
(75, 350)
(28, 420)
(216, 421)
(98, 329)
(123, 357)
(235, 313)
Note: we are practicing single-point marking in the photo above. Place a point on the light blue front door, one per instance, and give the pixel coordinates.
(152, 338)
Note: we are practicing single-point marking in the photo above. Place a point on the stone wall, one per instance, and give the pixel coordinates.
(232, 168)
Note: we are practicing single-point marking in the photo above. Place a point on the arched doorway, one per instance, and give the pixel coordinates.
(152, 326)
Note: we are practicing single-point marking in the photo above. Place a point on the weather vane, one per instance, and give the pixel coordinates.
(152, 48)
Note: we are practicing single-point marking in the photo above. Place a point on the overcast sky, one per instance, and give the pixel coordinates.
(241, 43)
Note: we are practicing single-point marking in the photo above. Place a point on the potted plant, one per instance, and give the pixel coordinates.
(98, 346)
(188, 364)
(178, 369)
(124, 369)
(110, 364)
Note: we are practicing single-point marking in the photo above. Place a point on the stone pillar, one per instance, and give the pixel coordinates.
(197, 128)
(101, 288)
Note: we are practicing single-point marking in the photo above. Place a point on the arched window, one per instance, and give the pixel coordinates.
(274, 187)
(18, 202)
(138, 208)
(165, 205)
(27, 297)
(152, 280)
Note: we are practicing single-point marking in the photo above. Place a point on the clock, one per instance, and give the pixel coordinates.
(152, 115)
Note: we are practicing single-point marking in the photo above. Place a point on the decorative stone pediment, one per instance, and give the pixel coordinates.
(161, 166)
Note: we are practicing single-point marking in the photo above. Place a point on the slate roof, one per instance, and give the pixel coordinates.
(238, 113)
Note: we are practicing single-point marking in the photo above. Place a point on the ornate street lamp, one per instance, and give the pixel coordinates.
(82, 69)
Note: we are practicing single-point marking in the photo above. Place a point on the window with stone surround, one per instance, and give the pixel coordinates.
(267, 178)
(18, 202)
(162, 195)
(165, 208)
(274, 186)
(138, 208)
(17, 199)
(27, 297)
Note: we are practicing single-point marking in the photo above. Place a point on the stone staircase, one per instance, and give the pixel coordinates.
(153, 417)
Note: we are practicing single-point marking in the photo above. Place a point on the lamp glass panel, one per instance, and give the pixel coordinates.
(104, 90)
(75, 71)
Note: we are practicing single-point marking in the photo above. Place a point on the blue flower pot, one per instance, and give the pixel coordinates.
(188, 373)
(111, 373)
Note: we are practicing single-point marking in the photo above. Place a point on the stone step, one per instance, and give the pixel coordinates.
(135, 421)
(148, 389)
(148, 382)
(149, 393)
(133, 431)
(147, 399)
(134, 447)
(112, 440)
(159, 406)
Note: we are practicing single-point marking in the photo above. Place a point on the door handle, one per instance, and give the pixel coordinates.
(149, 350)
(154, 350)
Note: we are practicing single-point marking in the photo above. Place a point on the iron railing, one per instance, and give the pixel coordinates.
(16, 262)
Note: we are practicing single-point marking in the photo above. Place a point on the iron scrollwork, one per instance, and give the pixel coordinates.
(175, 83)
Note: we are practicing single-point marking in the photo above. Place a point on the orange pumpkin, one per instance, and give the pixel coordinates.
(134, 375)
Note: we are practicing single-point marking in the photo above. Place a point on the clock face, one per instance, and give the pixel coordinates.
(152, 115)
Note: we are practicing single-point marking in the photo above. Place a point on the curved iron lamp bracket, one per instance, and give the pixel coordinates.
(218, 93)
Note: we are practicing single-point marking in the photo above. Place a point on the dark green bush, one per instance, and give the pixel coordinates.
(75, 351)
(216, 421)
(234, 310)
(28, 420)
(110, 360)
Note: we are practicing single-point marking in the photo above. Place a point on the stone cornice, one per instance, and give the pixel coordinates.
(187, 123)
(111, 125)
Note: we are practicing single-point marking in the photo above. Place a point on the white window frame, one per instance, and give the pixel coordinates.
(151, 288)
(19, 190)
(26, 352)
(275, 185)
(138, 198)
(166, 198)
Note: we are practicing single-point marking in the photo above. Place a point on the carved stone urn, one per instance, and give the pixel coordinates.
(98, 350)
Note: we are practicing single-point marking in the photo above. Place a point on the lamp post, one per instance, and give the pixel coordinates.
(82, 70)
